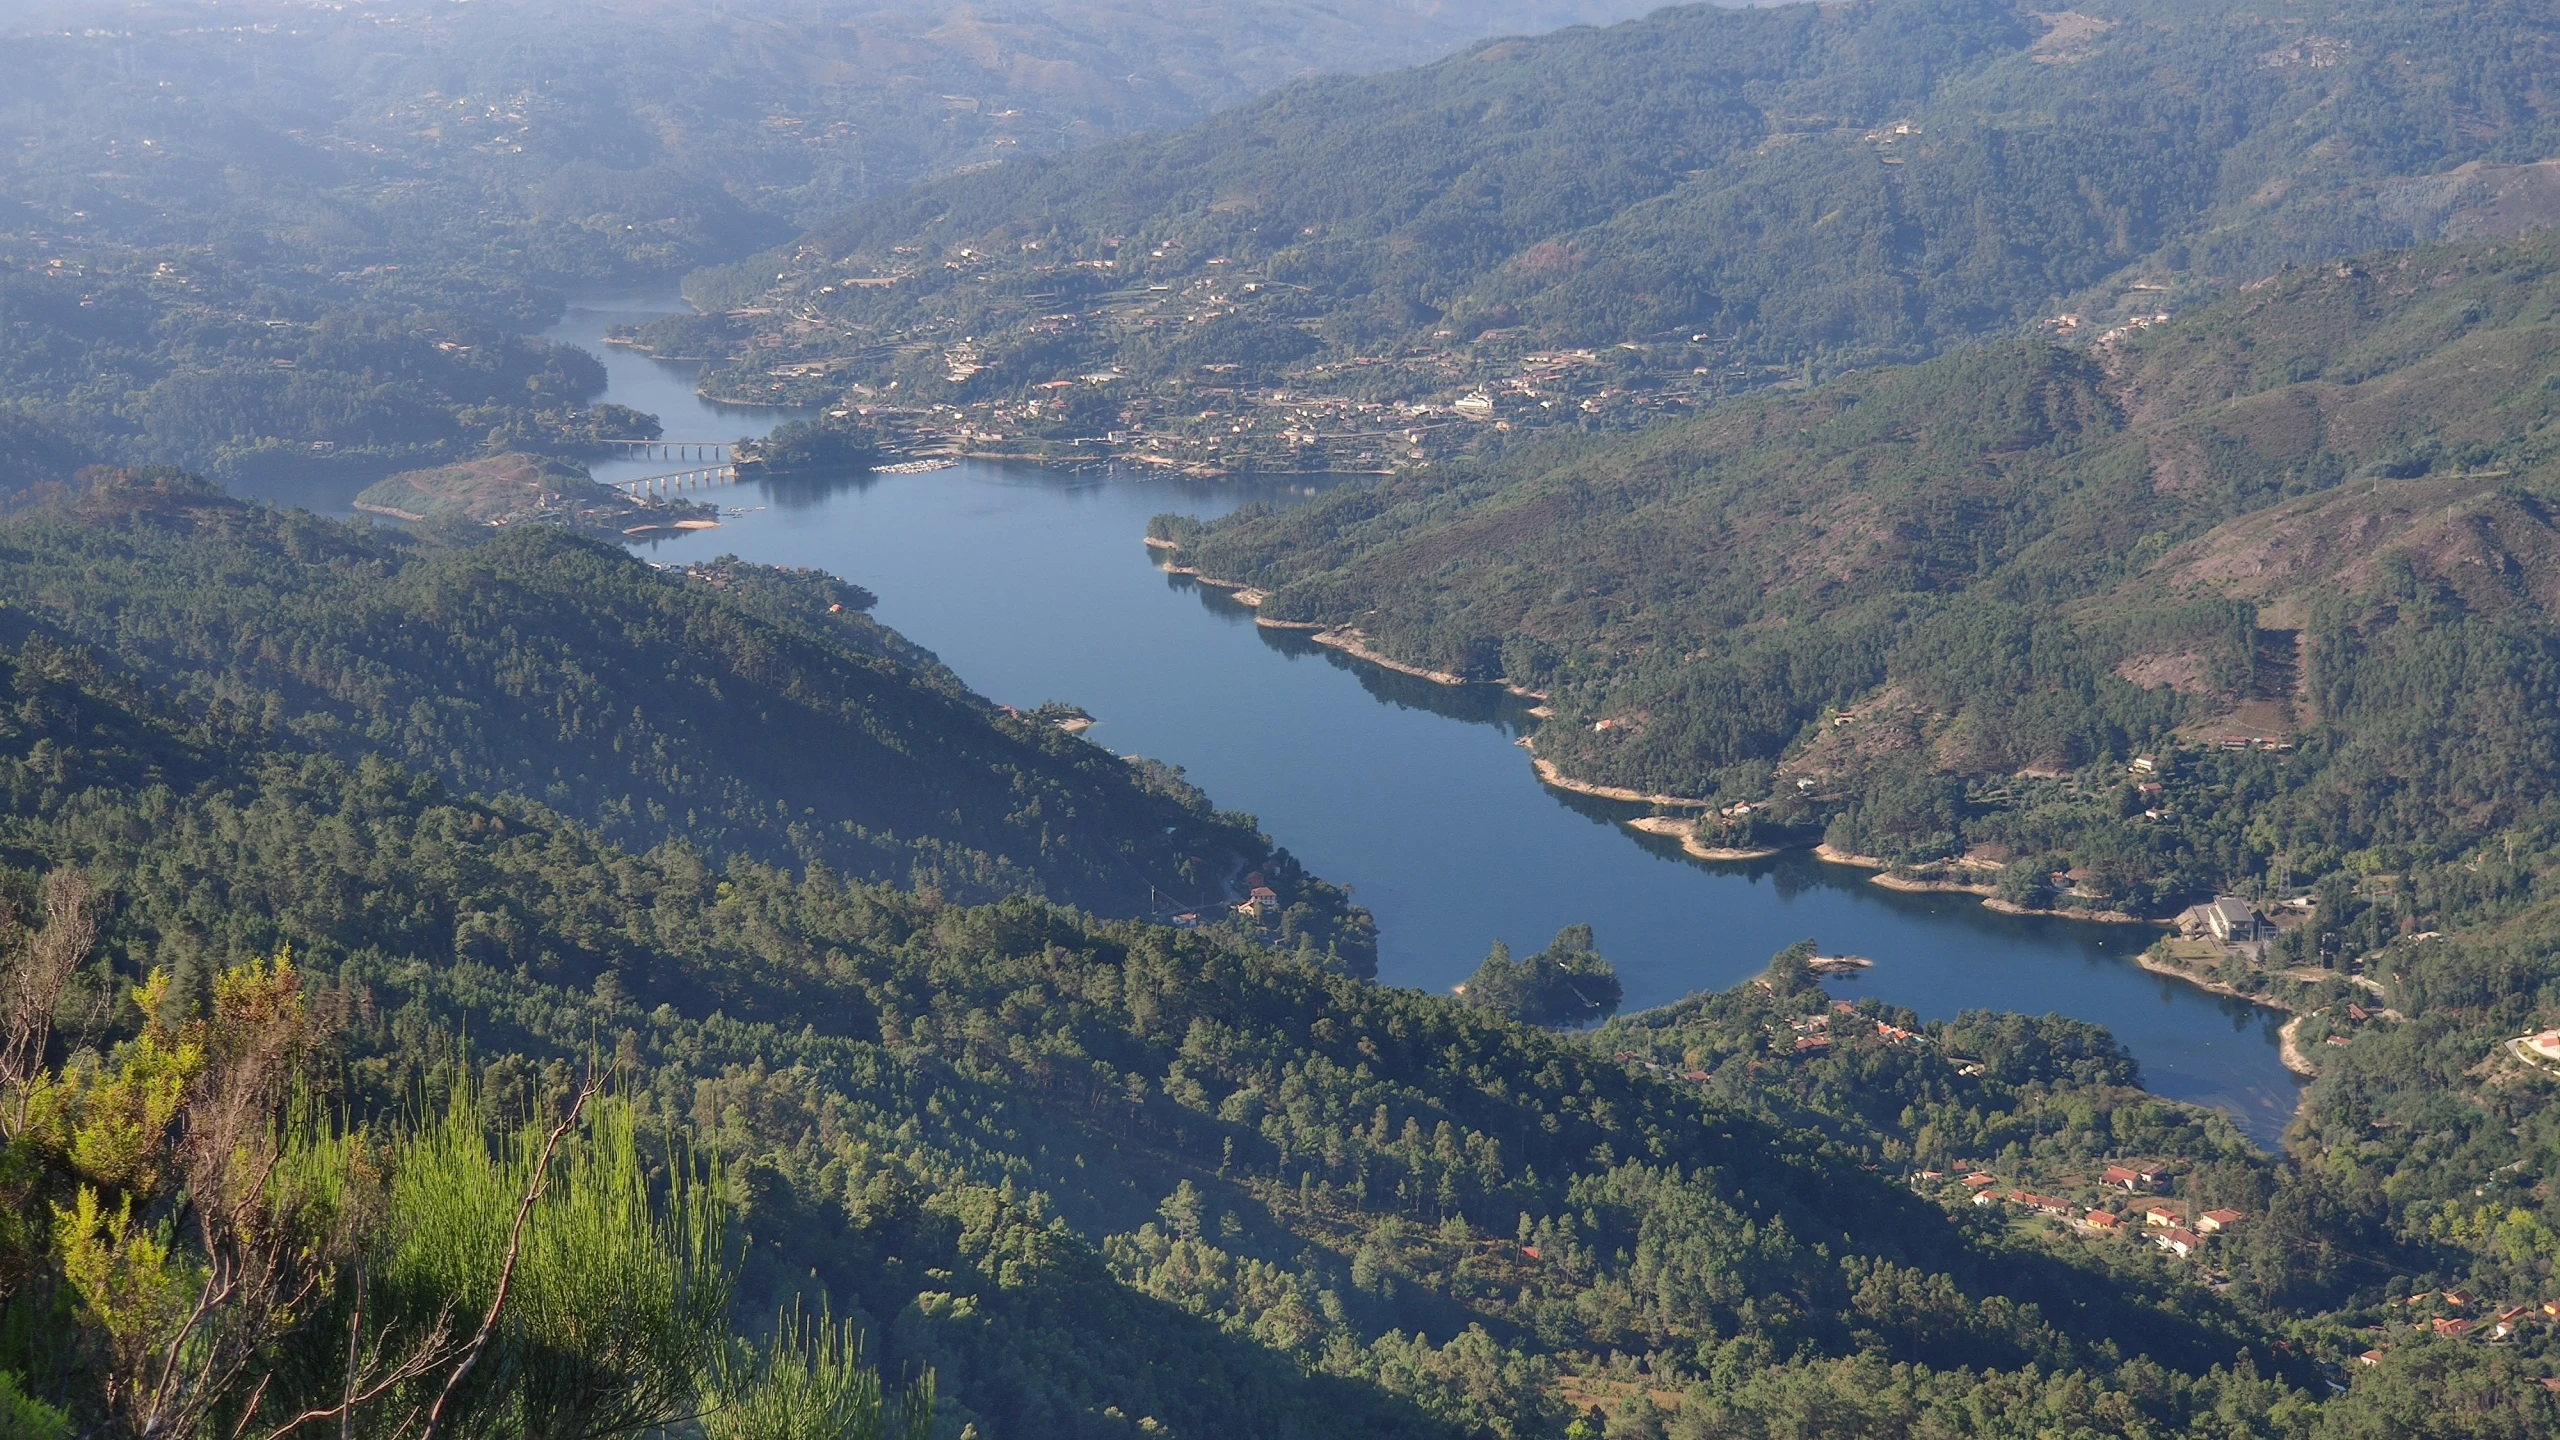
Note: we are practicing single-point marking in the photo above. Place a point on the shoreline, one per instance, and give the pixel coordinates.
(1550, 775)
(1356, 645)
(1344, 638)
(1913, 885)
(2289, 1051)
(1125, 456)
(2158, 966)
(1686, 833)
(1347, 639)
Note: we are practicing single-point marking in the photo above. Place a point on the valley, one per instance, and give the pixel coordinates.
(1885, 672)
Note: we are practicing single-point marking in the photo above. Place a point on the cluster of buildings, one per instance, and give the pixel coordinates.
(2228, 919)
(1260, 902)
(2169, 1224)
(2457, 1314)
(1812, 1034)
(1415, 402)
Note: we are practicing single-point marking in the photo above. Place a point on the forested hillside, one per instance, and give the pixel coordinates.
(1740, 196)
(747, 711)
(1106, 1178)
(2314, 512)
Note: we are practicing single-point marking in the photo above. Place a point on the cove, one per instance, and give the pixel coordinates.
(1032, 583)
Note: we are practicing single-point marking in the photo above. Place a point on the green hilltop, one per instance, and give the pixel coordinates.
(740, 709)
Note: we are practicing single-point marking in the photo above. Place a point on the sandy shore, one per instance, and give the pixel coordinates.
(1914, 885)
(1333, 637)
(2158, 966)
(1267, 623)
(1548, 772)
(1686, 833)
(2289, 1049)
(1356, 645)
(1157, 542)
(2094, 917)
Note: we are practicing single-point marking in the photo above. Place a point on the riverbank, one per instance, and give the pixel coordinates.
(1344, 638)
(2163, 965)
(1943, 885)
(1347, 639)
(2289, 1049)
(1549, 774)
(1686, 832)
(2288, 1038)
(1356, 645)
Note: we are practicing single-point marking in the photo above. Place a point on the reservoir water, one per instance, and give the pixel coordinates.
(1033, 585)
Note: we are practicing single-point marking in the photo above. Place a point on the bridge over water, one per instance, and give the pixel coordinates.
(674, 482)
(715, 450)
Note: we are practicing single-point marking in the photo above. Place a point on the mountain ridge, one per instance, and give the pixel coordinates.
(1734, 199)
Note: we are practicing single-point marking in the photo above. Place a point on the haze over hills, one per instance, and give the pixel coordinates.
(1737, 194)
(284, 239)
(608, 140)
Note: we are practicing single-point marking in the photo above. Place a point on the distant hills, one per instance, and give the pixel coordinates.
(1740, 195)
(603, 141)
(298, 245)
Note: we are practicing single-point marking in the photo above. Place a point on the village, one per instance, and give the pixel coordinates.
(2146, 1214)
(2132, 1199)
(972, 388)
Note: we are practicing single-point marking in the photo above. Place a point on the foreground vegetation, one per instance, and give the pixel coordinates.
(194, 1246)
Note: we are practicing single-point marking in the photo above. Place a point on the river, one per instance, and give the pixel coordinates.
(1033, 585)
